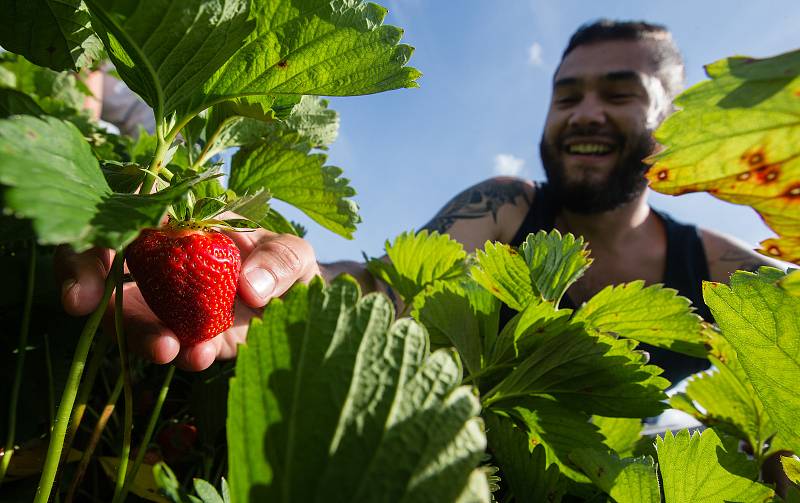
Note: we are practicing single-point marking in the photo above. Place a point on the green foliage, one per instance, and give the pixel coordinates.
(791, 466)
(629, 480)
(61, 172)
(555, 262)
(736, 136)
(502, 271)
(701, 469)
(52, 33)
(282, 165)
(416, 261)
(621, 434)
(328, 385)
(791, 283)
(759, 320)
(653, 314)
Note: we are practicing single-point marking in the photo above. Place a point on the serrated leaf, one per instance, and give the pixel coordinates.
(700, 469)
(53, 178)
(555, 262)
(629, 480)
(460, 315)
(736, 137)
(283, 165)
(585, 372)
(527, 330)
(729, 403)
(502, 271)
(555, 427)
(418, 260)
(791, 467)
(123, 177)
(167, 483)
(653, 314)
(621, 433)
(524, 467)
(163, 50)
(759, 320)
(13, 102)
(52, 33)
(323, 48)
(315, 122)
(206, 491)
(328, 385)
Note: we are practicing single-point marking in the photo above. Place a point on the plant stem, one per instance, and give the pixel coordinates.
(162, 146)
(98, 356)
(70, 390)
(94, 439)
(8, 451)
(51, 383)
(122, 344)
(148, 434)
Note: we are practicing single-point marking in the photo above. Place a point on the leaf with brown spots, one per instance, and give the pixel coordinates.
(737, 136)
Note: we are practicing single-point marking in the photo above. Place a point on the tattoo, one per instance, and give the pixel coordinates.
(742, 260)
(477, 202)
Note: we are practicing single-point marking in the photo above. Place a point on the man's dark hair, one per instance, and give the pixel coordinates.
(666, 56)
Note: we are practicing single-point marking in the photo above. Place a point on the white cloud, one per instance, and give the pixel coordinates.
(508, 165)
(535, 54)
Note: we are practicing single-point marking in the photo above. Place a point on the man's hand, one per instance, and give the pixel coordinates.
(271, 264)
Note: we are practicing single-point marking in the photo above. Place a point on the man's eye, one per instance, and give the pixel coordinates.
(567, 100)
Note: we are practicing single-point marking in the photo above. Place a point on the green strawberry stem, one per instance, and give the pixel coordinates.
(51, 383)
(148, 434)
(70, 391)
(127, 389)
(162, 147)
(8, 451)
(94, 439)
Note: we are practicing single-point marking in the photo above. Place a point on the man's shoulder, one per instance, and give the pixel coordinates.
(726, 254)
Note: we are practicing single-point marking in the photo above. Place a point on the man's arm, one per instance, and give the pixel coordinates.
(726, 254)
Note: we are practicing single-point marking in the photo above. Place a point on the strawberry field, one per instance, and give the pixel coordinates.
(335, 395)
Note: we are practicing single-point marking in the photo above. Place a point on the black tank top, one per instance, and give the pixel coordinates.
(686, 268)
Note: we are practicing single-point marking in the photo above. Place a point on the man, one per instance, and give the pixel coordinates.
(613, 87)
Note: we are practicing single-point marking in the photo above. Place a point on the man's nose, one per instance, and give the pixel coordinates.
(590, 111)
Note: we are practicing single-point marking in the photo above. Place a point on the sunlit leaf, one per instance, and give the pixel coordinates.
(503, 272)
(701, 469)
(736, 136)
(791, 467)
(416, 260)
(328, 385)
(555, 262)
(653, 314)
(759, 320)
(630, 480)
(621, 433)
(791, 283)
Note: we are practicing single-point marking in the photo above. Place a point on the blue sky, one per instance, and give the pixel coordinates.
(483, 97)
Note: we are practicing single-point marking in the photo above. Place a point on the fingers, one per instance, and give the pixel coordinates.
(82, 278)
(272, 263)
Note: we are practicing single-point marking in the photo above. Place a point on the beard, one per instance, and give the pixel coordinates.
(624, 183)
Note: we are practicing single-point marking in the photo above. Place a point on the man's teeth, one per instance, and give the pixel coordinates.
(588, 148)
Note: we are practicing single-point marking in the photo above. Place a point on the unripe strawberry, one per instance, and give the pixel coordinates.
(188, 278)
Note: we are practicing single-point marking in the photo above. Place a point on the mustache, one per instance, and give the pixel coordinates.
(581, 131)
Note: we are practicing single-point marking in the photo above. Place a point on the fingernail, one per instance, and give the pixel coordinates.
(260, 281)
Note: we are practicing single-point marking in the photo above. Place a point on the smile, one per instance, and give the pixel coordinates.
(588, 149)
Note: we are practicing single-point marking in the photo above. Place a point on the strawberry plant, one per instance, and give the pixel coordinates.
(335, 395)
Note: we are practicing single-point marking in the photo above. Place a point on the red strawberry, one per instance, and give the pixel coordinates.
(188, 278)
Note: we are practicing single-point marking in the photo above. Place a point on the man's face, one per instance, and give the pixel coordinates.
(607, 100)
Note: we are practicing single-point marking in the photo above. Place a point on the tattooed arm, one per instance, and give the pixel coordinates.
(726, 255)
(491, 210)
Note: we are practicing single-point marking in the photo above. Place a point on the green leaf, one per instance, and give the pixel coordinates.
(206, 491)
(737, 137)
(52, 33)
(315, 122)
(168, 483)
(555, 262)
(557, 428)
(53, 179)
(791, 283)
(524, 469)
(759, 320)
(164, 50)
(323, 48)
(418, 260)
(14, 102)
(283, 165)
(700, 469)
(621, 433)
(123, 177)
(630, 480)
(328, 385)
(502, 271)
(527, 330)
(455, 318)
(597, 375)
(653, 314)
(791, 467)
